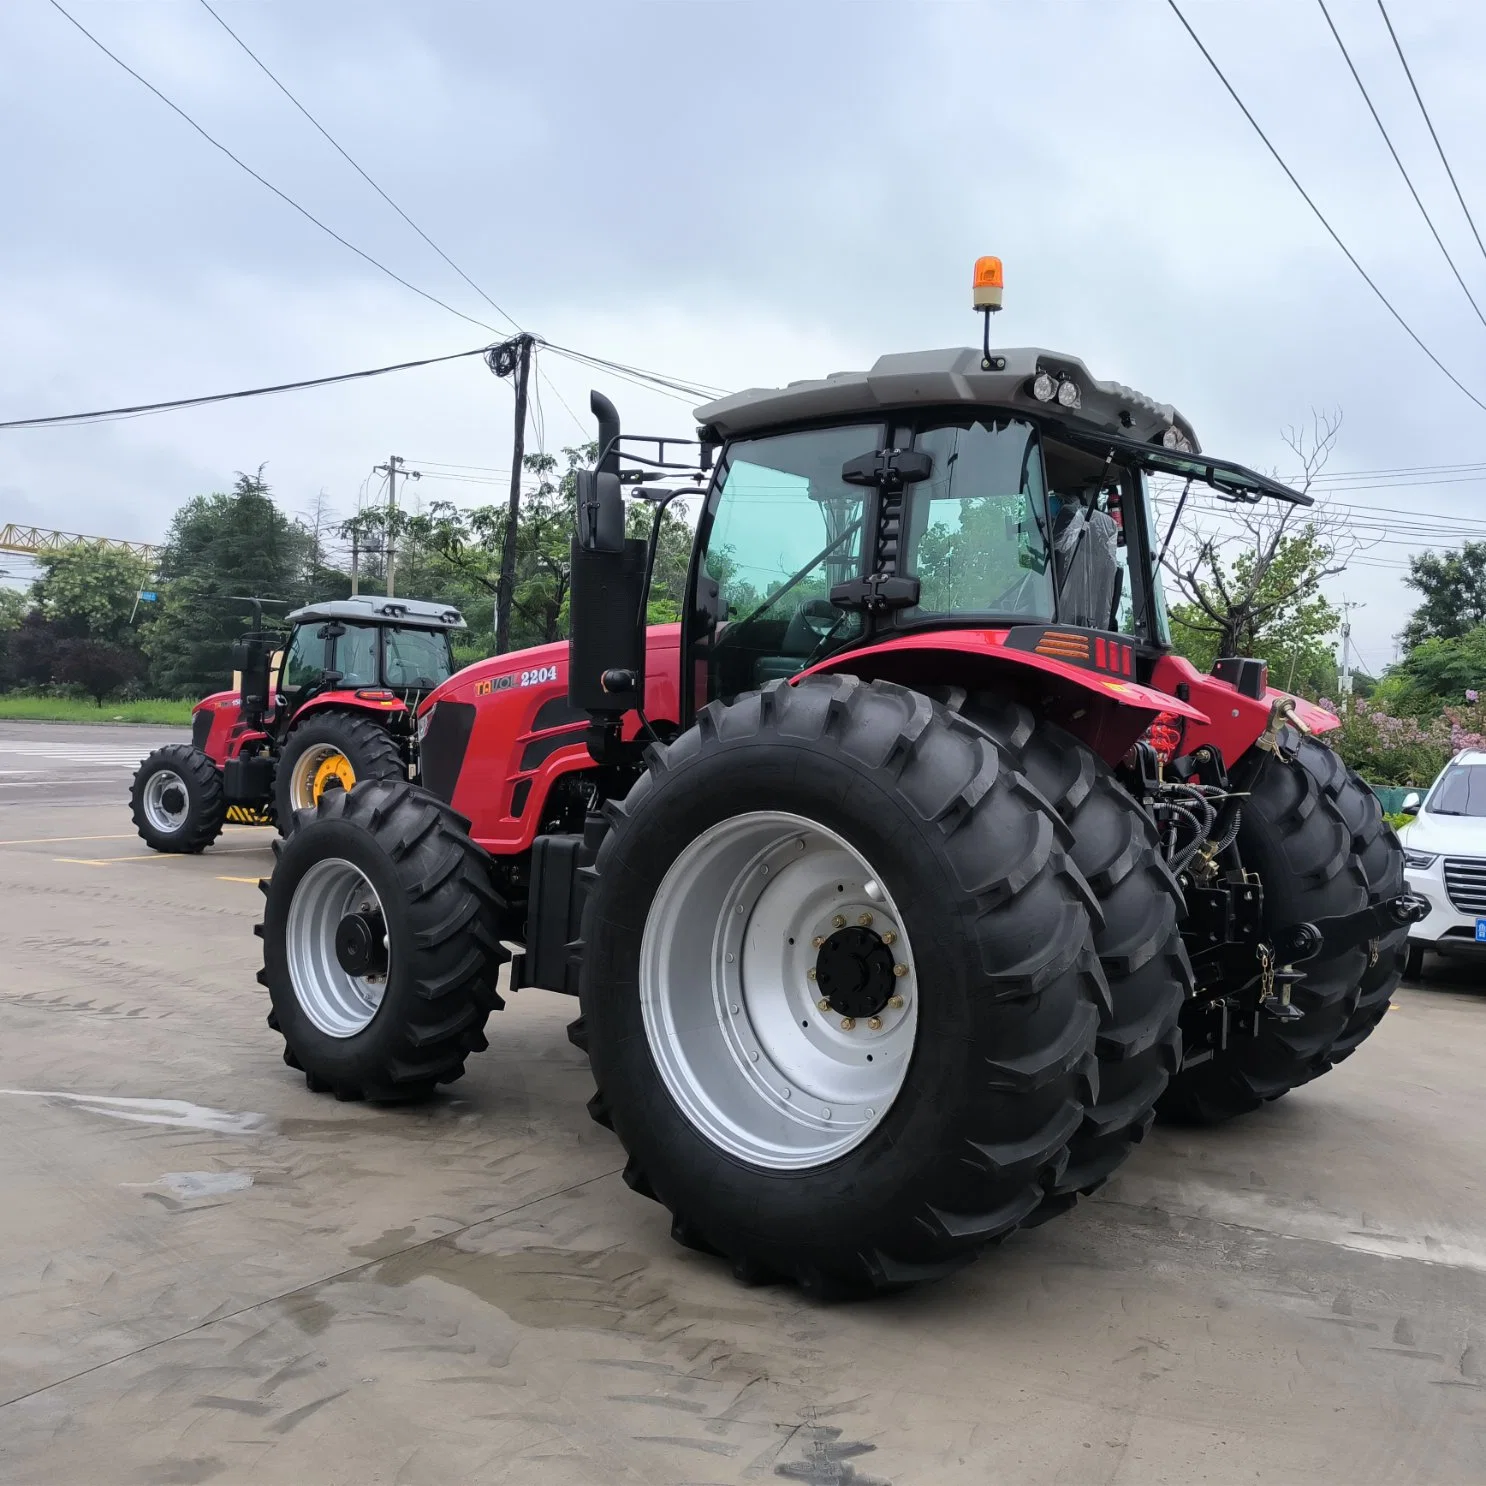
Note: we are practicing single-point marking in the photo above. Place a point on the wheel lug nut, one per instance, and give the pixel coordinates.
(874, 1023)
(865, 920)
(839, 921)
(848, 1023)
(810, 973)
(895, 1003)
(890, 937)
(822, 1004)
(900, 971)
(817, 942)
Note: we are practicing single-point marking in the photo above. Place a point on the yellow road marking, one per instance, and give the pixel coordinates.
(121, 836)
(154, 856)
(254, 880)
(49, 840)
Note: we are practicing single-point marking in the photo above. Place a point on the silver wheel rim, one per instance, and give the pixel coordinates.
(306, 766)
(338, 1003)
(160, 791)
(730, 1009)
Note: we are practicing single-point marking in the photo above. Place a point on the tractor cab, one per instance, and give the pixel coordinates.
(398, 645)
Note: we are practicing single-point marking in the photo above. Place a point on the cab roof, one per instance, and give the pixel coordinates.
(943, 378)
(373, 609)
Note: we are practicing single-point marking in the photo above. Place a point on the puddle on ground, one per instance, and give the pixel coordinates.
(556, 1289)
(176, 1113)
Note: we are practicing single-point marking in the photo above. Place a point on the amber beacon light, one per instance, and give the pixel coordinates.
(985, 289)
(987, 284)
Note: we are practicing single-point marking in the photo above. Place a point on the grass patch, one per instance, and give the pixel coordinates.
(163, 711)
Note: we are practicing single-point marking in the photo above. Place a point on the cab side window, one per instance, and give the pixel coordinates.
(304, 660)
(356, 656)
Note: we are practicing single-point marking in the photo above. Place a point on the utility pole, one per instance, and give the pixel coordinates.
(355, 561)
(392, 469)
(1344, 678)
(503, 362)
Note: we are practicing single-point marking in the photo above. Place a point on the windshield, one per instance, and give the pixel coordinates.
(785, 529)
(1461, 791)
(977, 538)
(356, 655)
(418, 658)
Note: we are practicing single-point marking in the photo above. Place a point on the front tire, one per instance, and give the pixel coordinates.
(177, 801)
(930, 834)
(380, 948)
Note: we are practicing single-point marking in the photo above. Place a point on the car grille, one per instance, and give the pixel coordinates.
(1465, 881)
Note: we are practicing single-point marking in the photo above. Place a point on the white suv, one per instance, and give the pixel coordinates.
(1444, 850)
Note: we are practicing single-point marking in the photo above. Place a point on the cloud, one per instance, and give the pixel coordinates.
(737, 194)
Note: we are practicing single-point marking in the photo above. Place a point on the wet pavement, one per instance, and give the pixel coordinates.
(209, 1274)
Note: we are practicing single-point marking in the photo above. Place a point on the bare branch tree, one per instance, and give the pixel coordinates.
(1271, 557)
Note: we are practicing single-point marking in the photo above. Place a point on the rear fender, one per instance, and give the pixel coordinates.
(352, 701)
(1100, 707)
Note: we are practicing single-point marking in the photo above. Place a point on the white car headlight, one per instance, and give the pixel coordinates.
(1420, 859)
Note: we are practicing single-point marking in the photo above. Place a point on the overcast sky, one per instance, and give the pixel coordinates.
(739, 194)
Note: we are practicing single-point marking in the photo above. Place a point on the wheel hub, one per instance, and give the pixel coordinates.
(854, 971)
(173, 798)
(360, 944)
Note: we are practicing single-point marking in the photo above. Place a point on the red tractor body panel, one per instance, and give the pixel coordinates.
(1233, 721)
(374, 700)
(225, 736)
(524, 734)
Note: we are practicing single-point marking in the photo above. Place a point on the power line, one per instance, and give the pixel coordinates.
(1319, 215)
(103, 415)
(267, 184)
(1419, 99)
(335, 144)
(1402, 170)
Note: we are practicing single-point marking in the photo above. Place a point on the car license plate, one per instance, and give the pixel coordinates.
(1481, 930)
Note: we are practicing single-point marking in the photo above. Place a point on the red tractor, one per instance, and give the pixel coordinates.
(906, 879)
(333, 705)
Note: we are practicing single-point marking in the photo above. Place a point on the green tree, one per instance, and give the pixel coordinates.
(1265, 602)
(13, 607)
(90, 592)
(1453, 586)
(1439, 670)
(221, 549)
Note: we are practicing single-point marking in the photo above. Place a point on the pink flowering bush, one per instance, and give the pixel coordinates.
(1390, 750)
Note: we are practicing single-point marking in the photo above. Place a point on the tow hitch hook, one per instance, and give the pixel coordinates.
(1304, 941)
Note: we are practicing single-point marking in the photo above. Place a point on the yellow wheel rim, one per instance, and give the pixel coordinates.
(335, 766)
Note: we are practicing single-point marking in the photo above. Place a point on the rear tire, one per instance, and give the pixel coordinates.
(1298, 834)
(1139, 942)
(974, 867)
(403, 858)
(176, 800)
(366, 746)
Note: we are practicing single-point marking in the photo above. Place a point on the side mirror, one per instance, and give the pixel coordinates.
(1411, 804)
(600, 512)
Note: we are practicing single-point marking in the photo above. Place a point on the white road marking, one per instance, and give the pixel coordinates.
(189, 1184)
(175, 1112)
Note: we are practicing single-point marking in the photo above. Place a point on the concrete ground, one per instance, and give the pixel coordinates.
(209, 1274)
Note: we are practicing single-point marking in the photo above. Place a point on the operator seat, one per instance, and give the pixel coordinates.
(1086, 542)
